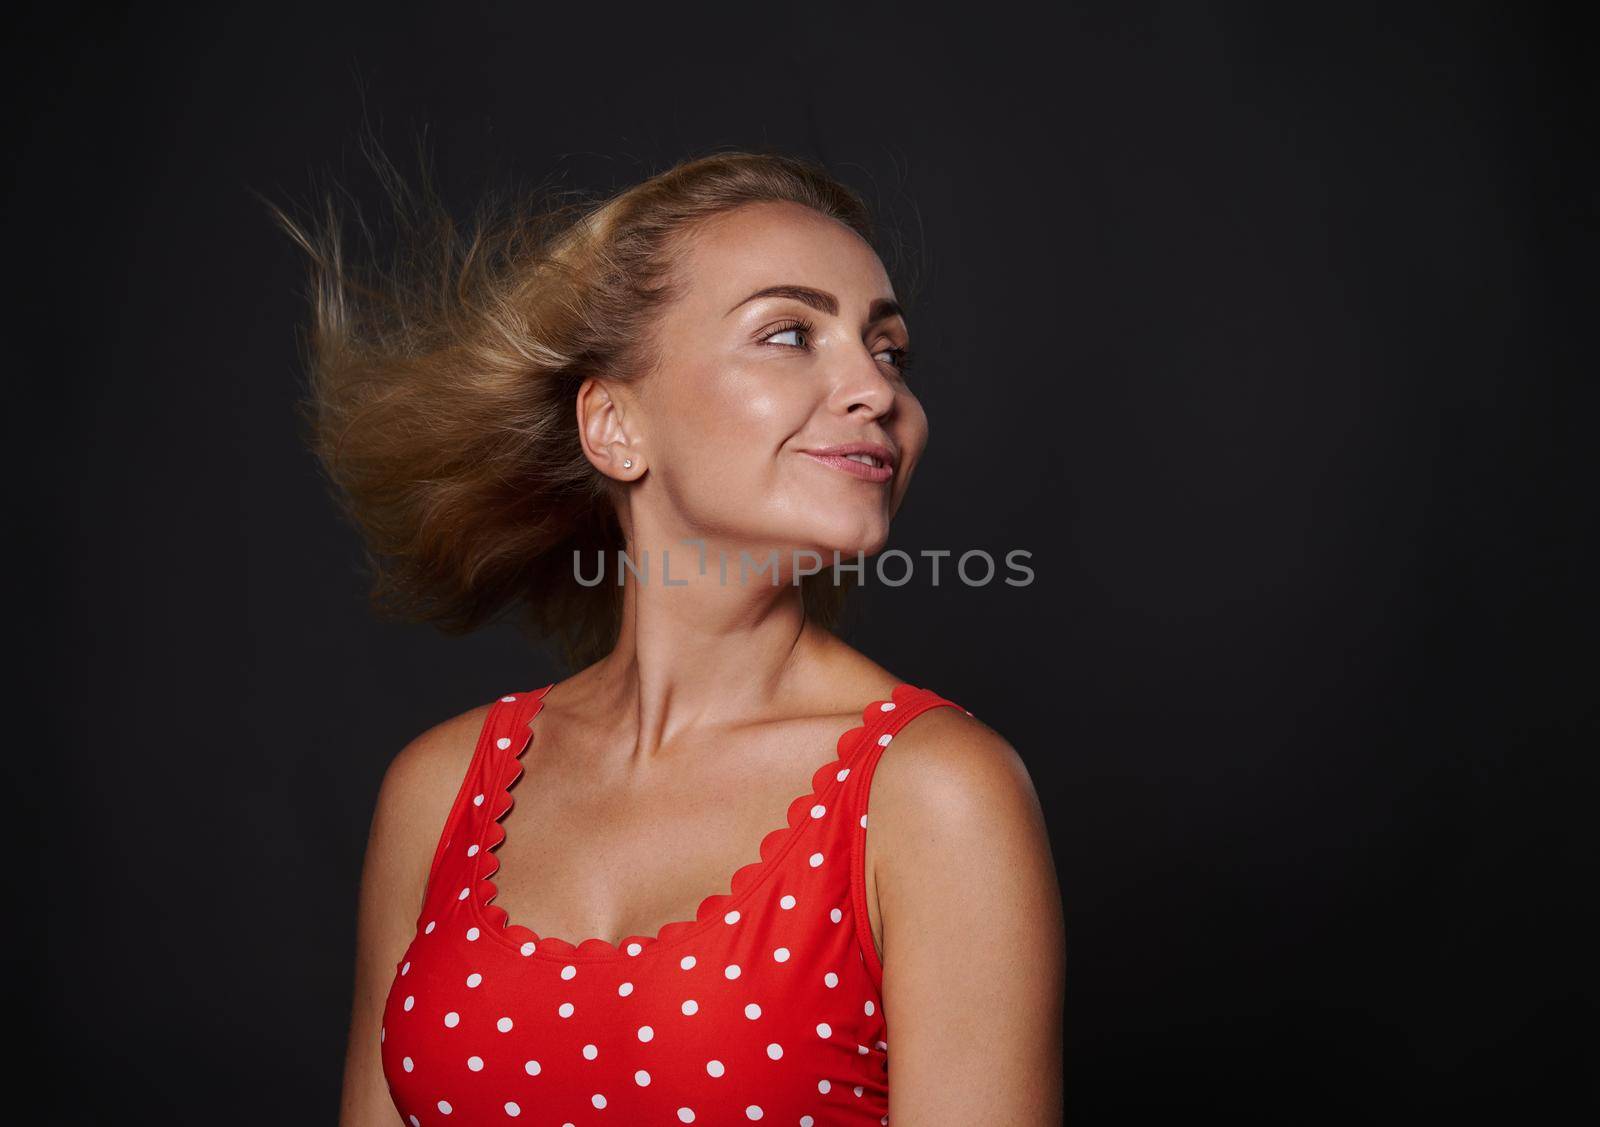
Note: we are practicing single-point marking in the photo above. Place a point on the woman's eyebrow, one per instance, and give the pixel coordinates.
(824, 302)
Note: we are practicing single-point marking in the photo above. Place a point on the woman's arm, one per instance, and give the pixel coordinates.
(413, 803)
(974, 943)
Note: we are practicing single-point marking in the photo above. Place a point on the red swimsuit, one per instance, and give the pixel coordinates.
(767, 1005)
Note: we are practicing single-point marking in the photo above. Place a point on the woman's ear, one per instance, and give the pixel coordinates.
(608, 427)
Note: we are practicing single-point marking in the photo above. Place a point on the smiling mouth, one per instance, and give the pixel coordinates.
(865, 466)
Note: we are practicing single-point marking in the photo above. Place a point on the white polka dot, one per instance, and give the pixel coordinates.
(625, 989)
(474, 979)
(531, 1067)
(842, 775)
(861, 1049)
(477, 800)
(731, 918)
(753, 1112)
(685, 1115)
(503, 1025)
(714, 1067)
(429, 929)
(836, 915)
(408, 1064)
(824, 1087)
(815, 859)
(687, 962)
(411, 1000)
(857, 1089)
(475, 1063)
(472, 934)
(414, 1121)
(830, 980)
(407, 968)
(564, 1009)
(786, 903)
(527, 948)
(642, 1078)
(880, 1044)
(690, 1007)
(731, 971)
(513, 1109)
(824, 1030)
(590, 1052)
(883, 740)
(752, 1011)
(886, 706)
(383, 1034)
(646, 1033)
(598, 1100)
(863, 821)
(634, 948)
(774, 1050)
(502, 743)
(452, 1019)
(463, 894)
(472, 850)
(869, 1007)
(507, 700)
(445, 1108)
(806, 1121)
(781, 954)
(818, 810)
(568, 971)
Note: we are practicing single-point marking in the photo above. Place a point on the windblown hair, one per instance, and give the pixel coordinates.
(441, 392)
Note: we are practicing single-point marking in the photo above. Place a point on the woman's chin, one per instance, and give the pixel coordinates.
(848, 544)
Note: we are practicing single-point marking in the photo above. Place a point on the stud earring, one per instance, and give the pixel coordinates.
(627, 463)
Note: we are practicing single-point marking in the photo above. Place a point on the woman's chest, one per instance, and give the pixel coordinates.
(573, 857)
(769, 1015)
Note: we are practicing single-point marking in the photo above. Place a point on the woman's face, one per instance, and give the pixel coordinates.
(751, 384)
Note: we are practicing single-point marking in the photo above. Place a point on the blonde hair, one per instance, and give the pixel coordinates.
(441, 386)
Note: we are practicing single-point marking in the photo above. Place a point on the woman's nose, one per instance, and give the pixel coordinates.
(861, 382)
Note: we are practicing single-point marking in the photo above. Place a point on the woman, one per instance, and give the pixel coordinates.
(681, 917)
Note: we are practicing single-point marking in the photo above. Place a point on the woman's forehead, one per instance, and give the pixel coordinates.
(771, 244)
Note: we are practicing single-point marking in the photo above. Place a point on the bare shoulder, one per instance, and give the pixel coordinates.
(952, 769)
(962, 849)
(414, 800)
(964, 864)
(429, 769)
(419, 787)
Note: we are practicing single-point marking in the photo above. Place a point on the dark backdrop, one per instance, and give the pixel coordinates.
(1247, 324)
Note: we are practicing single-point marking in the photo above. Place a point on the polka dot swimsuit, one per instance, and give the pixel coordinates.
(766, 1006)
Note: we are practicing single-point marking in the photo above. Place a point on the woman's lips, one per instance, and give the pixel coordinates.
(851, 466)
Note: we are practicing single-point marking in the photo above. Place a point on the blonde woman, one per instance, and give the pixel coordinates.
(651, 892)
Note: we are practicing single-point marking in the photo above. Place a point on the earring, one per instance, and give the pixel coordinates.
(627, 463)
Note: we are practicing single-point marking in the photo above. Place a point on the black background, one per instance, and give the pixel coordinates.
(1252, 325)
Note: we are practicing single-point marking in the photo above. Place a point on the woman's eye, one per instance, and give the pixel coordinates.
(777, 338)
(899, 357)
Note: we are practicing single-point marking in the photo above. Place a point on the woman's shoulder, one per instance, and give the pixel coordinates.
(439, 753)
(948, 773)
(414, 801)
(948, 748)
(422, 778)
(962, 853)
